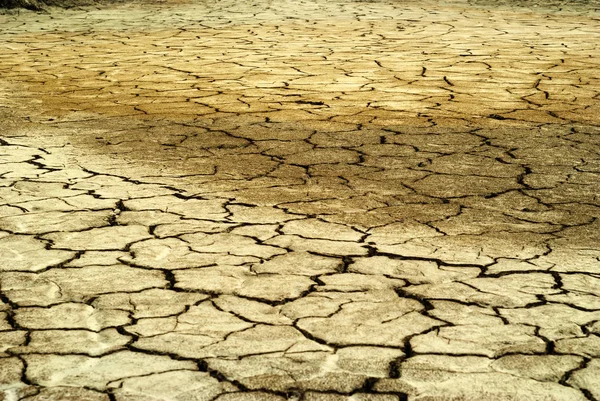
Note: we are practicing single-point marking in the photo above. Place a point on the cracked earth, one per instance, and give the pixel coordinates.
(305, 200)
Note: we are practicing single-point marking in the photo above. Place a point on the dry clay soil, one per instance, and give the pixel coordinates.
(324, 200)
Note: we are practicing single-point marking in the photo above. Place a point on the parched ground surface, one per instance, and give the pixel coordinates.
(310, 200)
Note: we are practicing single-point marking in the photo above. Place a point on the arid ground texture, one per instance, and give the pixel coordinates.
(324, 200)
